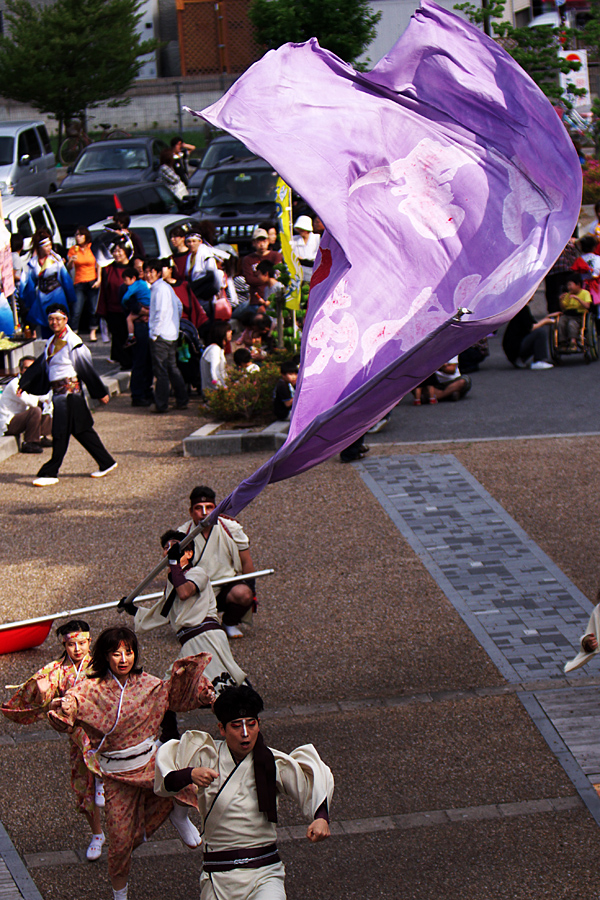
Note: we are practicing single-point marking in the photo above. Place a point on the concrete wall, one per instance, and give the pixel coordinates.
(153, 106)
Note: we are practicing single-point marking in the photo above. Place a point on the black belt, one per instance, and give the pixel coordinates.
(48, 283)
(307, 262)
(186, 634)
(243, 858)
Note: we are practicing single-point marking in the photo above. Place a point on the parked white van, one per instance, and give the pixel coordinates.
(27, 163)
(24, 215)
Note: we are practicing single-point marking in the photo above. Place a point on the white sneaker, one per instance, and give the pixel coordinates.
(99, 793)
(541, 365)
(187, 831)
(44, 482)
(102, 472)
(233, 631)
(379, 426)
(94, 851)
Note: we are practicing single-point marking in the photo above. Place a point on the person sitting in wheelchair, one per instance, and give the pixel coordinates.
(574, 303)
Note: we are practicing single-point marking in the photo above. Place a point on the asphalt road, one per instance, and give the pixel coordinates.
(505, 402)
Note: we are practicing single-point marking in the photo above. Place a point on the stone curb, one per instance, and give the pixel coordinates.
(345, 827)
(23, 881)
(205, 442)
(115, 384)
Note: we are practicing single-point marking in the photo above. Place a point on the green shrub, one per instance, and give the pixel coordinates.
(248, 397)
(591, 181)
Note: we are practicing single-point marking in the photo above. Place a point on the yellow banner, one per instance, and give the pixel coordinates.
(283, 199)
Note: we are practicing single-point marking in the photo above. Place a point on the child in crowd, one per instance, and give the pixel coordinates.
(135, 299)
(283, 394)
(243, 361)
(265, 273)
(588, 264)
(445, 384)
(573, 304)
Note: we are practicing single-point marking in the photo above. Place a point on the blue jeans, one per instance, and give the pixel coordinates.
(84, 293)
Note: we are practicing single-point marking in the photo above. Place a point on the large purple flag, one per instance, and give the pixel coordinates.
(448, 187)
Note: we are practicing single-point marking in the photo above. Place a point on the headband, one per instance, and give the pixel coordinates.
(84, 635)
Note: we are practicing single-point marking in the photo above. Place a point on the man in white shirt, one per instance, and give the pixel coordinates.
(64, 366)
(223, 552)
(163, 325)
(22, 413)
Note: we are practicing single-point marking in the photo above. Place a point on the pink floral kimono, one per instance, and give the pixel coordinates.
(122, 725)
(30, 704)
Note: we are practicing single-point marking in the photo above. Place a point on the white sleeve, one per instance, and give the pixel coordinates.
(196, 748)
(305, 778)
(237, 533)
(593, 627)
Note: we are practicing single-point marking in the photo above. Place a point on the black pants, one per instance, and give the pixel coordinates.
(141, 371)
(117, 326)
(536, 344)
(72, 417)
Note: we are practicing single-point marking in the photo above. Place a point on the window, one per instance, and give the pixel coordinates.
(33, 144)
(7, 148)
(41, 130)
(24, 226)
(38, 217)
(160, 200)
(149, 239)
(103, 158)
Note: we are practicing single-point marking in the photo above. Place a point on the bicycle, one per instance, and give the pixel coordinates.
(77, 139)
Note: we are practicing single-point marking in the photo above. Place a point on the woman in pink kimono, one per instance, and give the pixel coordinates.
(37, 695)
(120, 708)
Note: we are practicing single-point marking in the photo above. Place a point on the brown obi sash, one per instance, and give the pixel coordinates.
(244, 858)
(186, 634)
(66, 386)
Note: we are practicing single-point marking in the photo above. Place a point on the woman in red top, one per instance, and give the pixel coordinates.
(109, 302)
(84, 270)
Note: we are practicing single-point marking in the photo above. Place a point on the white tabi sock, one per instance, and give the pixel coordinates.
(188, 832)
(98, 792)
(94, 851)
(121, 894)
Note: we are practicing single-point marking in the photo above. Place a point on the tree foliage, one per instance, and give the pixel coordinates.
(71, 55)
(535, 49)
(344, 28)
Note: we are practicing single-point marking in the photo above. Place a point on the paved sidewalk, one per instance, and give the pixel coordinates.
(523, 610)
(15, 881)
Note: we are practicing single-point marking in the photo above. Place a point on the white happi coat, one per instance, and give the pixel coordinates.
(222, 670)
(221, 558)
(230, 815)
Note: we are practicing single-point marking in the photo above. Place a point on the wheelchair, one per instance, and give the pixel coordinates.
(587, 340)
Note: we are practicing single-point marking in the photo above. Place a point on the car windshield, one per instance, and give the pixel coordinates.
(220, 150)
(119, 157)
(239, 188)
(7, 146)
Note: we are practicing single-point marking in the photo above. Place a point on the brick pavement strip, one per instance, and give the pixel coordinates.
(525, 612)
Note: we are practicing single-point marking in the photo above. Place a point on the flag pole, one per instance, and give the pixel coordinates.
(88, 609)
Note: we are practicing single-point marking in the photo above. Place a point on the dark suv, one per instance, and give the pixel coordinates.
(74, 208)
(236, 197)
